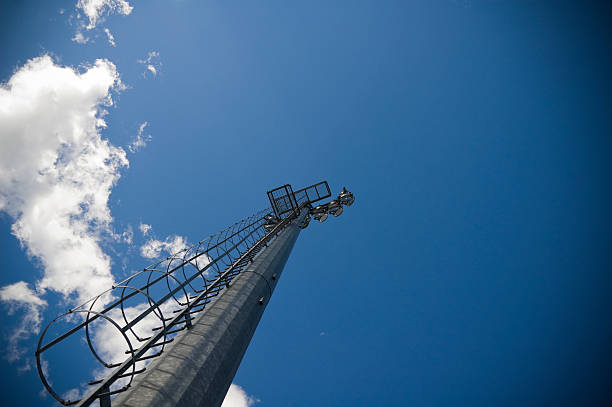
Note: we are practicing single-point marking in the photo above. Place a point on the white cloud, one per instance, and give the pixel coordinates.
(73, 394)
(19, 296)
(79, 38)
(20, 292)
(153, 248)
(56, 176)
(202, 261)
(144, 228)
(127, 236)
(175, 244)
(152, 63)
(109, 35)
(141, 139)
(237, 397)
(94, 10)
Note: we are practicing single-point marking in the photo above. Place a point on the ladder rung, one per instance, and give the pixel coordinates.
(157, 328)
(137, 360)
(127, 352)
(176, 330)
(108, 393)
(199, 304)
(149, 357)
(93, 382)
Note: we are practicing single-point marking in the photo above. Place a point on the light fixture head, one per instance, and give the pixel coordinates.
(304, 224)
(270, 218)
(319, 209)
(346, 197)
(334, 208)
(318, 212)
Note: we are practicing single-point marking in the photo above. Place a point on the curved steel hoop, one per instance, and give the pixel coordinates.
(187, 281)
(41, 372)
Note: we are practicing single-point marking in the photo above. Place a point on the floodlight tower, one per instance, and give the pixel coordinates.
(212, 294)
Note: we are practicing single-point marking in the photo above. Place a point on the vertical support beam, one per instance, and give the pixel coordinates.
(199, 366)
(105, 401)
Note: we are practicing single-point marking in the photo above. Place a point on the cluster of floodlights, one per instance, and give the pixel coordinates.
(319, 212)
(334, 208)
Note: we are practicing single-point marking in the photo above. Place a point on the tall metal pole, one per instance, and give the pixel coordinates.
(198, 368)
(212, 293)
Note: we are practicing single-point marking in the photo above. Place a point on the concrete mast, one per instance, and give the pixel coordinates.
(213, 294)
(198, 368)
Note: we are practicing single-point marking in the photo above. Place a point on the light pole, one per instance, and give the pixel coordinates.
(207, 301)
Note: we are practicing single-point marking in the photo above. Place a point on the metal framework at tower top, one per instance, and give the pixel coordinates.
(149, 309)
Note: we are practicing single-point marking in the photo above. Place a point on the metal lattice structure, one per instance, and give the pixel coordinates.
(171, 293)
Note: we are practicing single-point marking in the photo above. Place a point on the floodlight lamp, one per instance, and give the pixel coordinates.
(322, 218)
(346, 197)
(318, 211)
(304, 224)
(270, 218)
(334, 207)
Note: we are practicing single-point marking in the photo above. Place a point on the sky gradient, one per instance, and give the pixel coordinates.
(473, 268)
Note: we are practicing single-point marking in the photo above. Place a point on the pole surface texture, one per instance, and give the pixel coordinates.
(199, 366)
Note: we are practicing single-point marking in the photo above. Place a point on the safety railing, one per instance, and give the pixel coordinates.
(166, 294)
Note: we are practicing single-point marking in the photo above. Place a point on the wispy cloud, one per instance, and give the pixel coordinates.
(95, 10)
(79, 38)
(152, 63)
(144, 228)
(141, 139)
(90, 13)
(153, 248)
(110, 37)
(19, 297)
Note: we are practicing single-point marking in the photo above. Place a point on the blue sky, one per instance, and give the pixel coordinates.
(473, 268)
